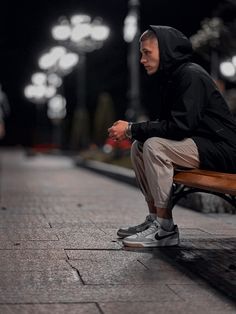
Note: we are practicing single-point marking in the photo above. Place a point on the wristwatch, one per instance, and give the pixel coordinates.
(128, 132)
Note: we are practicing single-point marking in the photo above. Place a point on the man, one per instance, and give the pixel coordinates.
(194, 129)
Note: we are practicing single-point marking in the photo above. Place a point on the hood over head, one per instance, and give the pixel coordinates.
(175, 48)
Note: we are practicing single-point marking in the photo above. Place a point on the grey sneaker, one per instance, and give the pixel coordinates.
(128, 231)
(154, 236)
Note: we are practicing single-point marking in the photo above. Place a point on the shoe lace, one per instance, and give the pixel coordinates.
(147, 220)
(153, 227)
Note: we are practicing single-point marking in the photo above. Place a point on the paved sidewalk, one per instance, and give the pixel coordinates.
(59, 252)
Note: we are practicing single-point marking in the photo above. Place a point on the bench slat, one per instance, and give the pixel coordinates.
(207, 180)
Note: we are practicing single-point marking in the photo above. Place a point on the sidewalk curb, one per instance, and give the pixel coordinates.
(115, 172)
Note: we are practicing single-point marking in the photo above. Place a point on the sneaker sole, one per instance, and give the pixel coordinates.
(173, 242)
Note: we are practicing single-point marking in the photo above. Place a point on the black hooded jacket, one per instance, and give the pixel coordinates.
(191, 105)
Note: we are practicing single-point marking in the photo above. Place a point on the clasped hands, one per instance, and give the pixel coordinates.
(118, 130)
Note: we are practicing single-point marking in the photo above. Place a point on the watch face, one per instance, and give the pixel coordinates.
(128, 131)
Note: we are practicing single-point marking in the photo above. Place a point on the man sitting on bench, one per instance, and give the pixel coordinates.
(194, 129)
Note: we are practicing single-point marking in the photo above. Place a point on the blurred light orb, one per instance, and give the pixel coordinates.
(56, 115)
(68, 61)
(50, 91)
(227, 69)
(234, 60)
(61, 32)
(130, 27)
(57, 52)
(80, 18)
(80, 31)
(39, 78)
(57, 103)
(29, 91)
(54, 80)
(39, 91)
(100, 32)
(47, 61)
(57, 107)
(107, 148)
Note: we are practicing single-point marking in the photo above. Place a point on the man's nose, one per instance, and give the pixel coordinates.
(142, 60)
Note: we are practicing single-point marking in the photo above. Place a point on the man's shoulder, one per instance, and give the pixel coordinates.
(190, 71)
(191, 68)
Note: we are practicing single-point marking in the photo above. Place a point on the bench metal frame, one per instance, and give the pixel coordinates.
(181, 191)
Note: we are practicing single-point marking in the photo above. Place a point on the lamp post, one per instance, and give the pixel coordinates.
(206, 41)
(131, 36)
(82, 35)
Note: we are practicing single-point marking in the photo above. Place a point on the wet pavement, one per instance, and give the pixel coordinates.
(59, 252)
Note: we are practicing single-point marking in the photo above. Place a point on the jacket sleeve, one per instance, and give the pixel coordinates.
(185, 112)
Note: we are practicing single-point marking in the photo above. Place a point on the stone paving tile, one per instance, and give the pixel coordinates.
(33, 260)
(68, 218)
(36, 254)
(27, 234)
(186, 218)
(223, 232)
(22, 221)
(47, 245)
(217, 267)
(193, 232)
(183, 307)
(86, 243)
(45, 207)
(112, 219)
(123, 271)
(100, 255)
(112, 272)
(88, 293)
(157, 265)
(211, 244)
(89, 238)
(144, 256)
(64, 208)
(79, 308)
(200, 244)
(19, 284)
(122, 267)
(16, 209)
(203, 292)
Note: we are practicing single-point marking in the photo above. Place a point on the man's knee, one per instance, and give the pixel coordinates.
(153, 145)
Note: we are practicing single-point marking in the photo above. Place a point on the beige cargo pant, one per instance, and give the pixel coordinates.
(154, 162)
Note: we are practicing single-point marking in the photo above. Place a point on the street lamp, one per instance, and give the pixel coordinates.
(55, 63)
(209, 36)
(81, 34)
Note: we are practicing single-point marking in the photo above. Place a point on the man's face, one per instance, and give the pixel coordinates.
(150, 56)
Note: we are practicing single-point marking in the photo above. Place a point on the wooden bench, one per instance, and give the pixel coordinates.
(196, 180)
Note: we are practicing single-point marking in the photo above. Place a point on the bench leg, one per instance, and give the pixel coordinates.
(180, 191)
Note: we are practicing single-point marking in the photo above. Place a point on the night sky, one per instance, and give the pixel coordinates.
(25, 33)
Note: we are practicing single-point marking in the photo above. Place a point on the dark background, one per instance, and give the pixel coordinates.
(25, 32)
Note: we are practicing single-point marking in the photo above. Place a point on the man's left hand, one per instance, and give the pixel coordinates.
(118, 129)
